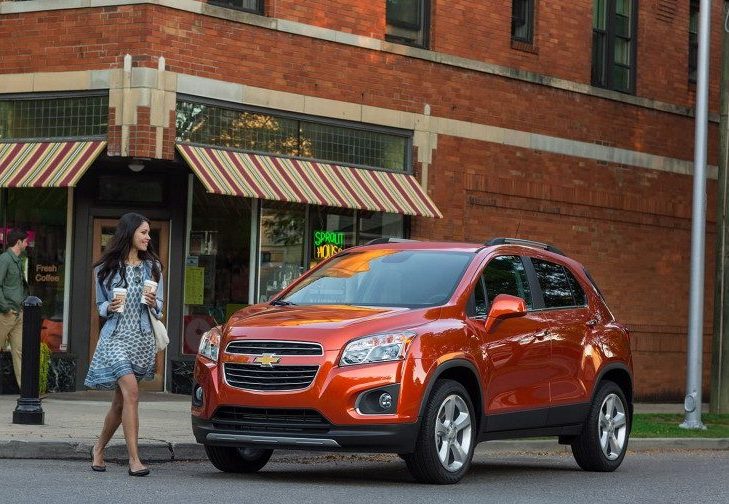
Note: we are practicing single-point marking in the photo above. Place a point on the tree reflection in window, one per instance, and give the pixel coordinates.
(502, 275)
(554, 283)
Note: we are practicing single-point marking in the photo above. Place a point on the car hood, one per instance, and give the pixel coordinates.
(332, 326)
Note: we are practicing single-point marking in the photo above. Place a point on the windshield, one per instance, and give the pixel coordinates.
(397, 278)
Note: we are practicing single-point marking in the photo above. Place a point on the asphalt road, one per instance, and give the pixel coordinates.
(644, 478)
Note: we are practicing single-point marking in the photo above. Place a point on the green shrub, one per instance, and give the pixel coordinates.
(45, 364)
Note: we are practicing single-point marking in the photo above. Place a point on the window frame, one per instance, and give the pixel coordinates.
(226, 5)
(529, 21)
(693, 41)
(604, 77)
(423, 31)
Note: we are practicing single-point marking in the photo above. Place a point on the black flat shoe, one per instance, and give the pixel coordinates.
(98, 468)
(141, 472)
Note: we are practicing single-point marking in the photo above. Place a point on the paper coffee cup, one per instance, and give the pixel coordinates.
(149, 286)
(120, 293)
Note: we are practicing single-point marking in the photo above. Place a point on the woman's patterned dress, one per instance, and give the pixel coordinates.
(128, 350)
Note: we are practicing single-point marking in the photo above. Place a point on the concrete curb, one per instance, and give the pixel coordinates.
(163, 451)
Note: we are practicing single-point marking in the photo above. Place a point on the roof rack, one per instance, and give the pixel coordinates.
(526, 243)
(378, 241)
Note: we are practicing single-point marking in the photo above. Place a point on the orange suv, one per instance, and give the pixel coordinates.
(420, 349)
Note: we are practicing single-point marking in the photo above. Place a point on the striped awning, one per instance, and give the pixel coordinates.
(284, 179)
(46, 164)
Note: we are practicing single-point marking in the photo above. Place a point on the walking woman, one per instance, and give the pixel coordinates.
(126, 350)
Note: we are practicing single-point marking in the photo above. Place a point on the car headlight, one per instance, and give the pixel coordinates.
(210, 344)
(383, 347)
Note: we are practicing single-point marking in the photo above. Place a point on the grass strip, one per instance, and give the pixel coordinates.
(654, 425)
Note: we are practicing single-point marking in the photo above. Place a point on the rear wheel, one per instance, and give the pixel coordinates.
(237, 460)
(447, 436)
(604, 439)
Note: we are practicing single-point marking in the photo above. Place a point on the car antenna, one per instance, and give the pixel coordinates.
(518, 225)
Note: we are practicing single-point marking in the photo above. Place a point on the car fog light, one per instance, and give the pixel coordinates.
(385, 400)
(197, 396)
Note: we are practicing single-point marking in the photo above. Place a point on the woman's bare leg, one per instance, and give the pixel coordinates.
(130, 419)
(111, 424)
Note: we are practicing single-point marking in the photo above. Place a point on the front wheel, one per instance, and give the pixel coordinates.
(447, 436)
(602, 444)
(237, 460)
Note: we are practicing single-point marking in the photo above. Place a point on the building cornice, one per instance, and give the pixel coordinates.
(305, 30)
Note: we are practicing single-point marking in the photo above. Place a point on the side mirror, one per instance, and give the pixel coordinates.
(506, 306)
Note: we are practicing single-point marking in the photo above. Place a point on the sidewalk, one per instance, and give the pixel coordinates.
(74, 420)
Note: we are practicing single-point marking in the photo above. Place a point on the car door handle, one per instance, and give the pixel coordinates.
(591, 323)
(542, 334)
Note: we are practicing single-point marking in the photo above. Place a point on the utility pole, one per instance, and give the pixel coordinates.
(692, 402)
(720, 340)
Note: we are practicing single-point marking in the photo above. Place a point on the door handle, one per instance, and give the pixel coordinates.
(591, 323)
(542, 334)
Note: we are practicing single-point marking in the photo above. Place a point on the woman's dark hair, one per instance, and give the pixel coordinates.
(118, 250)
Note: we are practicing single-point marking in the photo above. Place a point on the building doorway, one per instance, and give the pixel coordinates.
(103, 230)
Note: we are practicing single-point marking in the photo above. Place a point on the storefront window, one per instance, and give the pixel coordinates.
(42, 213)
(217, 264)
(282, 246)
(331, 231)
(374, 225)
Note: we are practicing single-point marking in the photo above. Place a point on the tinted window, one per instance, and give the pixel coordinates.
(555, 286)
(383, 277)
(502, 275)
(577, 293)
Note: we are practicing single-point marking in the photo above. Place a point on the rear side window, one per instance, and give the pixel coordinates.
(554, 283)
(577, 292)
(502, 275)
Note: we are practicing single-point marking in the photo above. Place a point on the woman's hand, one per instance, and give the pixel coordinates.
(150, 299)
(116, 305)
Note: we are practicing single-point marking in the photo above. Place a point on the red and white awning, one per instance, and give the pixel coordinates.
(284, 179)
(46, 164)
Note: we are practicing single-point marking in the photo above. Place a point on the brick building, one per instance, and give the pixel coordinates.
(506, 117)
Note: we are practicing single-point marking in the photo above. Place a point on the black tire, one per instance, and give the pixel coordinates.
(424, 464)
(237, 460)
(587, 447)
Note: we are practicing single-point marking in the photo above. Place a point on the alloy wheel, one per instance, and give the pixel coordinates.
(453, 433)
(612, 426)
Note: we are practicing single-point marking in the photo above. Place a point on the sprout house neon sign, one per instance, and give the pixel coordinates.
(327, 243)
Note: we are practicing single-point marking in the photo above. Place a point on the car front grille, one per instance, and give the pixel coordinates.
(254, 377)
(273, 347)
(240, 419)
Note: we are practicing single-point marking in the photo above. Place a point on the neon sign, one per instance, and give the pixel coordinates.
(327, 244)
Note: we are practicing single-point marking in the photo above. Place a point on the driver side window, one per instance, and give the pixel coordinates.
(502, 275)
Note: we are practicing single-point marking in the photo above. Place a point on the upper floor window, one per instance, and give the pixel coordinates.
(614, 44)
(408, 22)
(693, 40)
(54, 117)
(290, 135)
(255, 6)
(522, 21)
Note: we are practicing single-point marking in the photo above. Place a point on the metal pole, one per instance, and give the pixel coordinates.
(692, 402)
(719, 350)
(29, 410)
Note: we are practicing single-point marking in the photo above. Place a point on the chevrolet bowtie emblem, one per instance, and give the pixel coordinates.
(267, 360)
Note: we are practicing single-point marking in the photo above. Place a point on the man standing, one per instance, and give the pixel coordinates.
(12, 294)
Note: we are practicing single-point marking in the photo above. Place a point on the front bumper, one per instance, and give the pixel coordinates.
(380, 438)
